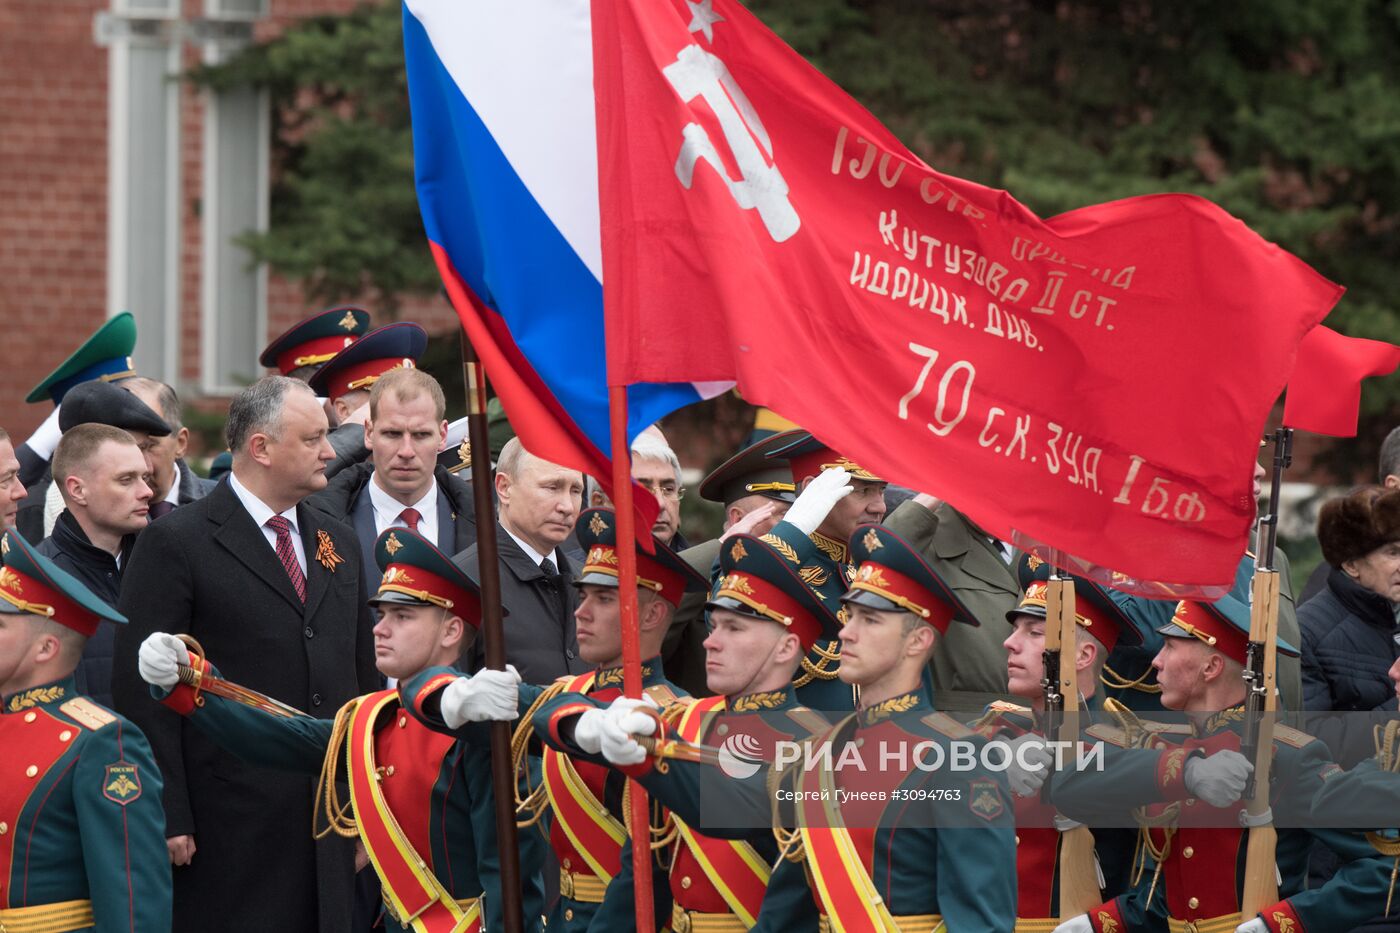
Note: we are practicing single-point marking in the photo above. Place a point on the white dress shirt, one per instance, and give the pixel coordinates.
(261, 512)
(534, 555)
(387, 510)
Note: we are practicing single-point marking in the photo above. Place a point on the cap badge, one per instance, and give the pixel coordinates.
(737, 552)
(392, 544)
(396, 575)
(872, 541)
(737, 583)
(9, 580)
(325, 552)
(348, 322)
(464, 453)
(597, 525)
(1034, 562)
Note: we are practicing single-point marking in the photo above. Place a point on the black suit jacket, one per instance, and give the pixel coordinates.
(206, 569)
(541, 640)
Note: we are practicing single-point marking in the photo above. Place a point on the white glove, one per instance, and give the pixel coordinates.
(622, 723)
(487, 694)
(1218, 780)
(1077, 924)
(1030, 749)
(1257, 925)
(45, 437)
(588, 731)
(818, 499)
(158, 660)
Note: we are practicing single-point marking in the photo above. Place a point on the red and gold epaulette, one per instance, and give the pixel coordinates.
(1106, 733)
(87, 714)
(663, 694)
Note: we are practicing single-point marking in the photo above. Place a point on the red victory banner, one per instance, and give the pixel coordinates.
(1097, 381)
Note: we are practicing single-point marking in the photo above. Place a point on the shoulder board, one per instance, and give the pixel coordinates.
(1110, 734)
(671, 713)
(1290, 736)
(988, 724)
(664, 694)
(942, 722)
(88, 714)
(1005, 706)
(809, 721)
(1166, 728)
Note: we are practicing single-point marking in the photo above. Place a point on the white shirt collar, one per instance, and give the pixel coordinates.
(172, 495)
(259, 509)
(389, 509)
(534, 555)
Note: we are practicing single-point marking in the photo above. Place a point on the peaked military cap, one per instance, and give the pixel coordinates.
(1093, 607)
(315, 340)
(663, 572)
(359, 366)
(415, 573)
(892, 577)
(103, 403)
(750, 473)
(456, 452)
(106, 355)
(30, 582)
(1223, 624)
(808, 456)
(757, 580)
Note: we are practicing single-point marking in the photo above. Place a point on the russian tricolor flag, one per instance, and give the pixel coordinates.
(506, 160)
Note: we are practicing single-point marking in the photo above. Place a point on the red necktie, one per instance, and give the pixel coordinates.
(288, 554)
(410, 517)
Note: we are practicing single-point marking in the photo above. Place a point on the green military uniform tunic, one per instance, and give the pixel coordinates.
(825, 566)
(81, 825)
(1203, 862)
(438, 789)
(940, 843)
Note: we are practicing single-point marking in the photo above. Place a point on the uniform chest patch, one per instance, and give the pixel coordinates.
(121, 784)
(985, 799)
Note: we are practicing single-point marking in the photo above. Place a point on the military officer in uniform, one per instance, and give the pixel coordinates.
(749, 486)
(82, 833)
(914, 846)
(401, 775)
(579, 797)
(1191, 786)
(835, 494)
(720, 842)
(1100, 626)
(301, 349)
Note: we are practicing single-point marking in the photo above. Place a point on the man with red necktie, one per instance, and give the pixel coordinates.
(401, 485)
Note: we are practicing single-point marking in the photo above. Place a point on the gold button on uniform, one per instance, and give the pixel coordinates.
(566, 863)
(1193, 903)
(403, 722)
(4, 827)
(1187, 852)
(30, 716)
(1018, 840)
(31, 770)
(685, 882)
(65, 735)
(568, 913)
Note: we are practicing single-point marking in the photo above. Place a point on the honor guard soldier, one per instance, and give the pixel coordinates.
(920, 846)
(835, 494)
(420, 802)
(302, 348)
(1190, 788)
(1039, 829)
(747, 484)
(82, 833)
(582, 797)
(718, 832)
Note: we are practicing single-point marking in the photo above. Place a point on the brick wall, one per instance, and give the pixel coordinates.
(53, 199)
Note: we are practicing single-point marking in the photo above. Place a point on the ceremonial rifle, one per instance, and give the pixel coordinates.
(1257, 741)
(1079, 889)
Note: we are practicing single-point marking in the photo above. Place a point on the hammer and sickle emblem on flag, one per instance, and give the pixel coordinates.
(698, 73)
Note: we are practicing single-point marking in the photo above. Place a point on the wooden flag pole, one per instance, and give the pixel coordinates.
(502, 774)
(639, 819)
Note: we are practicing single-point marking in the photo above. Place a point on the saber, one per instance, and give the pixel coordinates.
(201, 682)
(679, 750)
